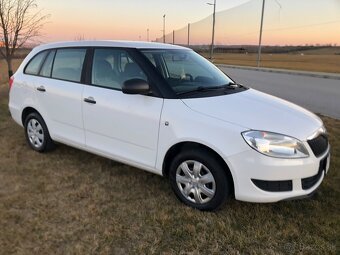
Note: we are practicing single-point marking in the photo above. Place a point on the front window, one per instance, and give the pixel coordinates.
(112, 67)
(186, 71)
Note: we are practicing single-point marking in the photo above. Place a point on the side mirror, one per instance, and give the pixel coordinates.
(136, 86)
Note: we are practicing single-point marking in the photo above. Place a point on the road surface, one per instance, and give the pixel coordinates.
(320, 95)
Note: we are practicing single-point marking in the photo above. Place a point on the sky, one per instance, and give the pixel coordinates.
(237, 22)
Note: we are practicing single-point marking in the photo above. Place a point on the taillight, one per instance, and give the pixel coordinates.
(11, 80)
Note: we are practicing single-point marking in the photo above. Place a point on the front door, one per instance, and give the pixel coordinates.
(120, 126)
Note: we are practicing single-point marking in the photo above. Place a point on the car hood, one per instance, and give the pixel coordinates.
(252, 109)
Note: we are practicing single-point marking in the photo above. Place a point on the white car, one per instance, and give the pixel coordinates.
(167, 110)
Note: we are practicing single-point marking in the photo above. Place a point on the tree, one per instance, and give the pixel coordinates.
(20, 23)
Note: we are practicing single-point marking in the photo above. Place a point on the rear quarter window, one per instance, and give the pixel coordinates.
(34, 64)
(68, 64)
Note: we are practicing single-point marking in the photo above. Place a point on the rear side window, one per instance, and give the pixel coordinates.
(47, 66)
(34, 65)
(68, 64)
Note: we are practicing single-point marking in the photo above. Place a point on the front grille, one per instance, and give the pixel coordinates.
(274, 186)
(309, 182)
(319, 145)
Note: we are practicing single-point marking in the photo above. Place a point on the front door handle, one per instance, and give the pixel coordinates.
(41, 89)
(90, 100)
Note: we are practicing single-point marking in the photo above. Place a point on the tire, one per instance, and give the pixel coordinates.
(199, 180)
(36, 133)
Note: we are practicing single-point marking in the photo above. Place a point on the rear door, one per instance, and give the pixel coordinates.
(59, 93)
(120, 126)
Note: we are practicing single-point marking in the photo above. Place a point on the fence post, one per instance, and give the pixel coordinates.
(260, 37)
(213, 32)
(164, 28)
(188, 34)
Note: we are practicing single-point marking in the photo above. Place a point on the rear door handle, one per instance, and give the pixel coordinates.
(41, 89)
(90, 100)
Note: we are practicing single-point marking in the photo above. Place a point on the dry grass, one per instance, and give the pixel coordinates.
(72, 202)
(315, 63)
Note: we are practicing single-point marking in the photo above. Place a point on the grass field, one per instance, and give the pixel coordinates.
(306, 62)
(72, 202)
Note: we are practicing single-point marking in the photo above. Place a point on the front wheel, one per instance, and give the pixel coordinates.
(37, 134)
(199, 180)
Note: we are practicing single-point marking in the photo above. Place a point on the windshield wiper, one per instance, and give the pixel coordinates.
(230, 85)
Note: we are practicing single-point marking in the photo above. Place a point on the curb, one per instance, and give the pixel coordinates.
(285, 71)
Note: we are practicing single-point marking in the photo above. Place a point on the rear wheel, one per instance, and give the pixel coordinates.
(199, 180)
(37, 134)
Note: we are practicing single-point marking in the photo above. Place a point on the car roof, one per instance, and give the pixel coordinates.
(121, 44)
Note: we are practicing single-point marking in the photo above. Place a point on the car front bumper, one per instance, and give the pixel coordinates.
(263, 179)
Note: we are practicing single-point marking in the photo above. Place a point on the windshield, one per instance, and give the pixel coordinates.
(185, 70)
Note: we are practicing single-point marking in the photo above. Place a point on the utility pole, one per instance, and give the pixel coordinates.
(188, 34)
(213, 30)
(164, 28)
(260, 38)
(173, 36)
(147, 35)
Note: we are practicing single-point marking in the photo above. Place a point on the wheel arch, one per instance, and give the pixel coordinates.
(26, 111)
(181, 146)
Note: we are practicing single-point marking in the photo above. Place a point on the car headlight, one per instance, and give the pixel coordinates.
(275, 145)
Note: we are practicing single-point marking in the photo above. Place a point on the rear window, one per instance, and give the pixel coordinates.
(34, 65)
(68, 64)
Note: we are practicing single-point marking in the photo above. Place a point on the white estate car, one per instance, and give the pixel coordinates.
(167, 110)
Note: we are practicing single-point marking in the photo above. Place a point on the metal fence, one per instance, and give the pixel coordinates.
(286, 22)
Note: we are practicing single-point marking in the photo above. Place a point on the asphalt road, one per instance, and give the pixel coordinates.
(320, 95)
